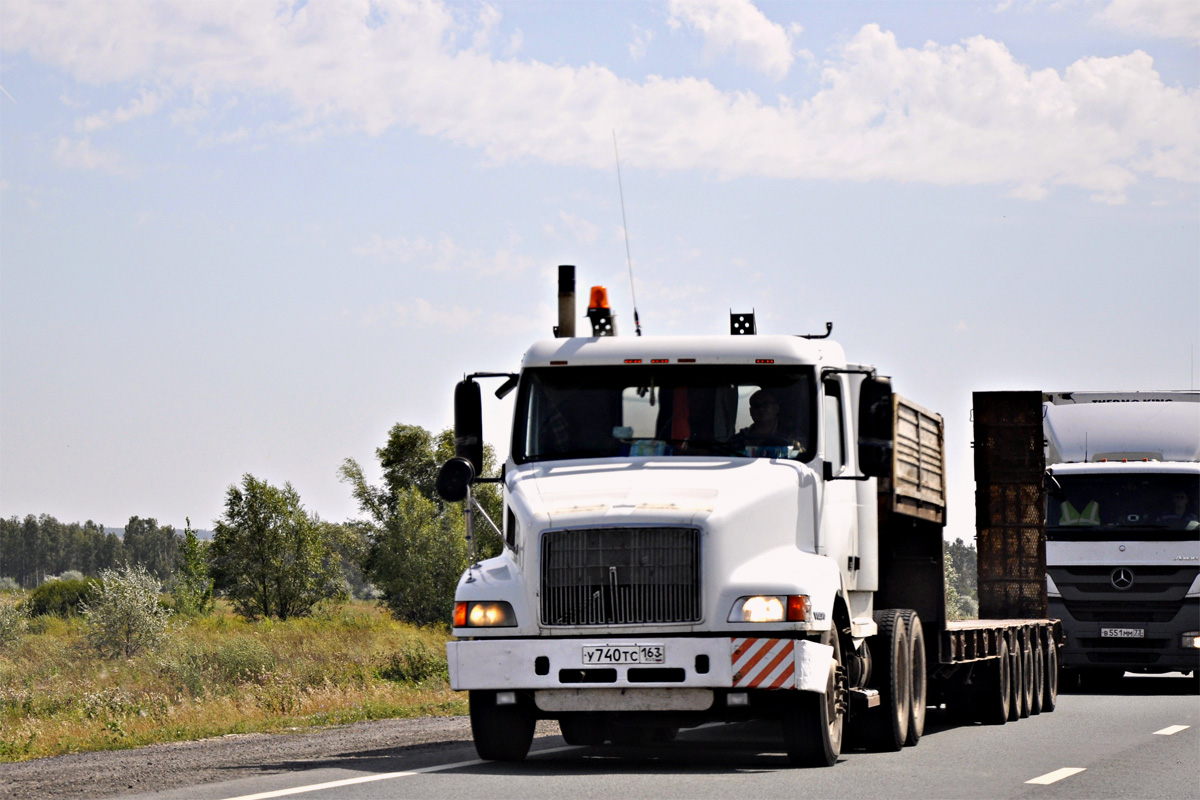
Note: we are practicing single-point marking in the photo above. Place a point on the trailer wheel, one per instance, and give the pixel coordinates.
(886, 728)
(813, 725)
(583, 731)
(1039, 673)
(501, 732)
(918, 697)
(1026, 675)
(997, 686)
(1016, 680)
(1050, 687)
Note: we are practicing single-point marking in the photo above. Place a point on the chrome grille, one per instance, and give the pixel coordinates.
(620, 576)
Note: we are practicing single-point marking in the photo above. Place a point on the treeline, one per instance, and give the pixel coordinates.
(270, 557)
(35, 548)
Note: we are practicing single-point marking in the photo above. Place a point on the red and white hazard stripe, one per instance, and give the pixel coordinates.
(763, 663)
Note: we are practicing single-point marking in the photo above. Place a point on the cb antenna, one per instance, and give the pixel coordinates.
(637, 323)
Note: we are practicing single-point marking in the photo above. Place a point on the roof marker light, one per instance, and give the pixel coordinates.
(687, 361)
(558, 363)
(633, 361)
(660, 361)
(764, 361)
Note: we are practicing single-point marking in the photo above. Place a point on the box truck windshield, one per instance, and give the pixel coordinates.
(1123, 506)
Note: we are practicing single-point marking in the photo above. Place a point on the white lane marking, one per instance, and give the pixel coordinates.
(1056, 776)
(383, 776)
(1171, 730)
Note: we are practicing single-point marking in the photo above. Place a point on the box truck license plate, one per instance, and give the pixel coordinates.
(624, 654)
(1122, 633)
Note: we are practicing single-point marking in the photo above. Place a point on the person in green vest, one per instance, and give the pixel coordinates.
(1090, 515)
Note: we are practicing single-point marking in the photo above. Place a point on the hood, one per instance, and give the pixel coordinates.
(678, 491)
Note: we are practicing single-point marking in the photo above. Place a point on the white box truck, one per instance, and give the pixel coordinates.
(718, 528)
(1122, 531)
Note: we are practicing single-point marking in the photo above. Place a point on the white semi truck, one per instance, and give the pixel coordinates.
(1122, 532)
(718, 528)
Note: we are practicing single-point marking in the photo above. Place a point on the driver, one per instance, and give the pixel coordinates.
(764, 428)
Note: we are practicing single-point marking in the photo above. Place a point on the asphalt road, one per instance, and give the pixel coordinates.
(1141, 742)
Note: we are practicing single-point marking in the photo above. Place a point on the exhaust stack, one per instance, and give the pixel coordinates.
(565, 328)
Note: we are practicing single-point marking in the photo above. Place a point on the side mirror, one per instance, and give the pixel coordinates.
(468, 424)
(454, 479)
(875, 427)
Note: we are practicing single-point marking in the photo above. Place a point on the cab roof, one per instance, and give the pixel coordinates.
(611, 350)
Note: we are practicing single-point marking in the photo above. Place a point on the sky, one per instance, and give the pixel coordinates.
(250, 237)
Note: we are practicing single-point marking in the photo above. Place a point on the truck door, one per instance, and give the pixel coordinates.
(839, 511)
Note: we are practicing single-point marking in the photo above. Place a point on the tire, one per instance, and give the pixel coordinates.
(1050, 686)
(814, 723)
(886, 728)
(502, 733)
(997, 688)
(1039, 673)
(918, 694)
(1026, 675)
(1016, 665)
(583, 731)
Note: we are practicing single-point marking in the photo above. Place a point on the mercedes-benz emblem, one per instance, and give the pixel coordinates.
(1122, 578)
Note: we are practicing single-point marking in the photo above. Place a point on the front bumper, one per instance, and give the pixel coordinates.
(1159, 649)
(719, 662)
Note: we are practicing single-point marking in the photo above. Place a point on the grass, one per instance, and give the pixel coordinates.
(218, 675)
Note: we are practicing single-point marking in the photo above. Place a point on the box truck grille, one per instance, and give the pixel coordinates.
(620, 576)
(1156, 594)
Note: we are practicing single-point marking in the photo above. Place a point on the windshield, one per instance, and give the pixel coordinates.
(1124, 505)
(757, 411)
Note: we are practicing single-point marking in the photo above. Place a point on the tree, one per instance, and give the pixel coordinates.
(125, 617)
(416, 547)
(193, 590)
(269, 556)
(154, 546)
(962, 599)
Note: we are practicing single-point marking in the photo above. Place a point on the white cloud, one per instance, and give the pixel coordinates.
(641, 42)
(965, 113)
(585, 232)
(444, 255)
(1167, 19)
(81, 155)
(738, 27)
(145, 104)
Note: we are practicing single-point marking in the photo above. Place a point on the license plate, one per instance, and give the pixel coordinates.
(624, 654)
(1122, 633)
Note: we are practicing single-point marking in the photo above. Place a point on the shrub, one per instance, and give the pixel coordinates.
(125, 617)
(13, 623)
(60, 598)
(414, 662)
(8, 584)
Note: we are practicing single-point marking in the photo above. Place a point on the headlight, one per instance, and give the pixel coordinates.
(1191, 640)
(484, 615)
(771, 608)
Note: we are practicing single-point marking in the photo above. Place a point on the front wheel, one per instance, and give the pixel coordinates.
(501, 732)
(812, 726)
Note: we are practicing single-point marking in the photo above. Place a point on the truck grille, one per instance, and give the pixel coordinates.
(620, 576)
(1156, 595)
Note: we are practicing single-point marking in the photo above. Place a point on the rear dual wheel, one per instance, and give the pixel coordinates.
(918, 693)
(886, 728)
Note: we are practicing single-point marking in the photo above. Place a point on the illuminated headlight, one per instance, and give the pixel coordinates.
(1191, 640)
(771, 608)
(484, 615)
(1051, 589)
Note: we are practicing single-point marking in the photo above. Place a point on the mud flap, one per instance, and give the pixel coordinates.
(813, 661)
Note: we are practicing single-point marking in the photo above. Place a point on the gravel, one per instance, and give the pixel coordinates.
(169, 766)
